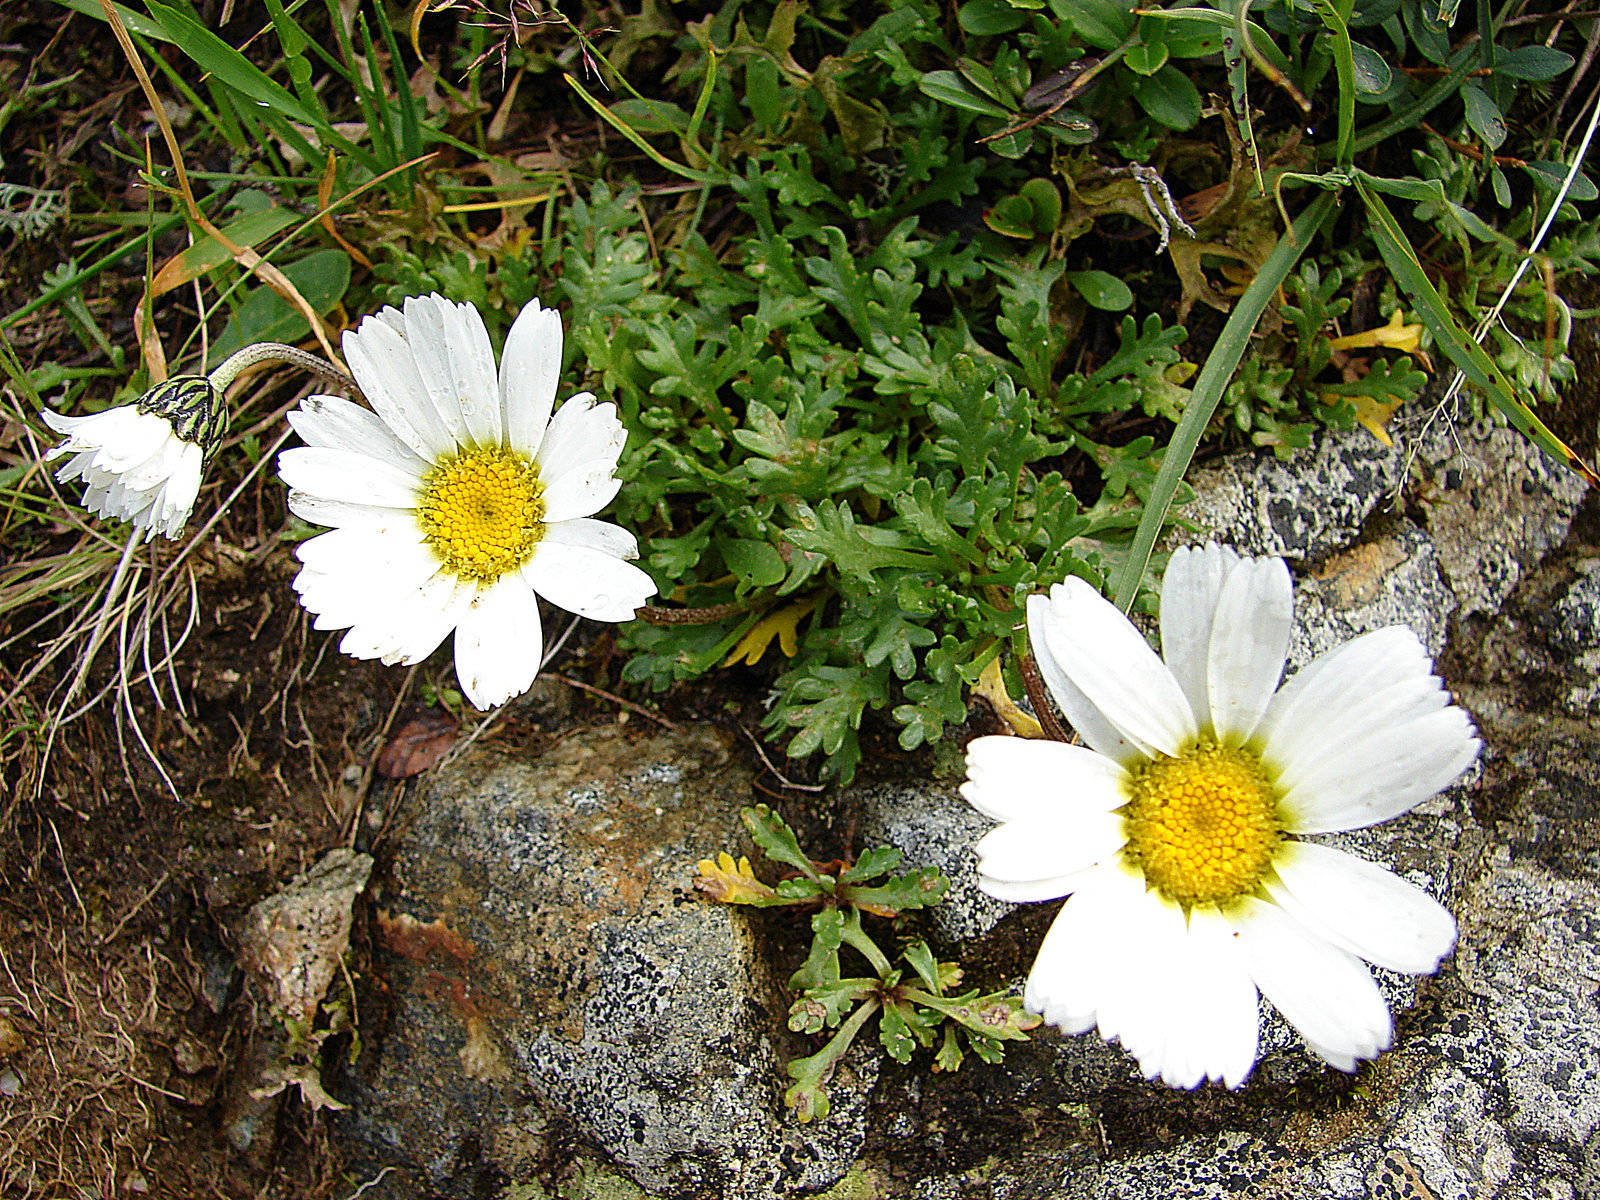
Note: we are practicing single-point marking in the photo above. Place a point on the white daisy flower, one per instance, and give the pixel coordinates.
(142, 461)
(1173, 829)
(460, 499)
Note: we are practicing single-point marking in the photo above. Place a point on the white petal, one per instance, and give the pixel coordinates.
(1034, 890)
(454, 359)
(1324, 992)
(1215, 1032)
(380, 359)
(1106, 658)
(1189, 592)
(347, 475)
(1334, 686)
(1086, 720)
(1084, 950)
(1012, 778)
(596, 535)
(1383, 775)
(406, 627)
(1249, 640)
(529, 369)
(1363, 908)
(359, 549)
(588, 582)
(427, 327)
(499, 643)
(578, 458)
(1138, 1004)
(335, 423)
(319, 510)
(1046, 847)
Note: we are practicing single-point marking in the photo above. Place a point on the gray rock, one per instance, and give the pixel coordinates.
(1315, 502)
(1391, 578)
(1574, 623)
(1498, 504)
(933, 826)
(550, 974)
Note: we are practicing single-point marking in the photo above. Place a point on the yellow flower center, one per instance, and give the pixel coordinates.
(1202, 827)
(482, 512)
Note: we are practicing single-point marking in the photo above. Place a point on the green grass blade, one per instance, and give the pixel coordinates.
(213, 54)
(1208, 390)
(627, 131)
(1458, 345)
(1344, 65)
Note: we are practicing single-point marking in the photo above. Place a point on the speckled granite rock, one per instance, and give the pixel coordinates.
(1497, 505)
(1303, 508)
(548, 976)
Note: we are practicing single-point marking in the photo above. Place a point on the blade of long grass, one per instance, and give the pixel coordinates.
(1335, 17)
(1460, 347)
(1209, 387)
(627, 131)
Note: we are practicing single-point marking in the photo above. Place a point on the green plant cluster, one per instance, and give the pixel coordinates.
(915, 1004)
(852, 291)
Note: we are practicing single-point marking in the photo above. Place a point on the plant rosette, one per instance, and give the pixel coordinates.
(460, 500)
(1174, 829)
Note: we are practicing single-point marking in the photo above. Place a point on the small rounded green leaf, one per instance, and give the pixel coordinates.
(755, 563)
(1372, 74)
(1101, 290)
(1483, 115)
(1170, 98)
(1537, 64)
(949, 88)
(1146, 58)
(1012, 216)
(988, 17)
(1548, 173)
(1045, 199)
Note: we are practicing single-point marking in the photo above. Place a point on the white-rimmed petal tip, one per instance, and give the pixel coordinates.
(1109, 662)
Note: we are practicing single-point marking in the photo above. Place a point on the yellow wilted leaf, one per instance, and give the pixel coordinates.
(1374, 415)
(992, 687)
(1396, 335)
(781, 625)
(732, 882)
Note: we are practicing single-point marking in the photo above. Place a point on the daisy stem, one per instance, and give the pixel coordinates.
(239, 362)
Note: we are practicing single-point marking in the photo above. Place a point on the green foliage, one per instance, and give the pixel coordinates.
(914, 1003)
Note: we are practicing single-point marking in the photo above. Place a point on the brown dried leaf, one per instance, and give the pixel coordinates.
(418, 744)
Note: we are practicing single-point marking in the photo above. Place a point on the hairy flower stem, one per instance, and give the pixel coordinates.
(239, 362)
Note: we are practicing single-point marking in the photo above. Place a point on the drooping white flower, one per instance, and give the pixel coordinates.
(1173, 829)
(460, 498)
(141, 462)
